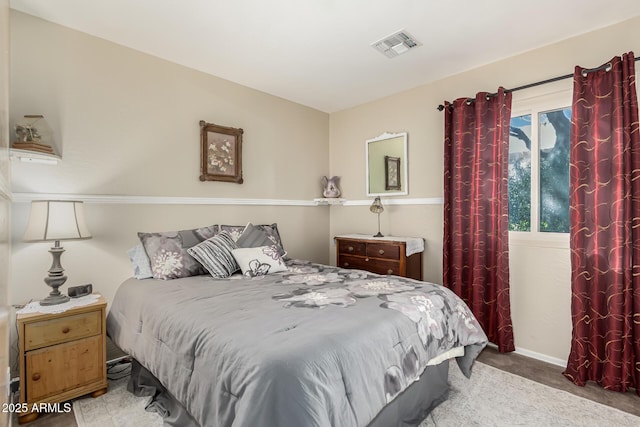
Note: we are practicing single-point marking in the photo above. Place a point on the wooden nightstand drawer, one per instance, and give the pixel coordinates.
(62, 355)
(381, 256)
(383, 250)
(56, 369)
(377, 266)
(64, 329)
(352, 248)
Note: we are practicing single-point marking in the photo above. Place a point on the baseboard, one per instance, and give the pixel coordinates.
(535, 355)
(543, 357)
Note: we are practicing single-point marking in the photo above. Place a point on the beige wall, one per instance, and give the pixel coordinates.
(5, 210)
(126, 123)
(540, 272)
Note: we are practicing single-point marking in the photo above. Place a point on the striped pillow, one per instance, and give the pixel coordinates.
(215, 255)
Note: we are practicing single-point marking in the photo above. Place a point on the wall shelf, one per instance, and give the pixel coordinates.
(27, 156)
(329, 201)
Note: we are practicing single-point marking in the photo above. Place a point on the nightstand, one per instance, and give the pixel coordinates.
(62, 356)
(400, 256)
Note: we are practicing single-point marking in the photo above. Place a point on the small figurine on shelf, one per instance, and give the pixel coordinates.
(33, 134)
(330, 187)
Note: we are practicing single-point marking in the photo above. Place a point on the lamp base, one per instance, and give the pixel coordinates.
(54, 299)
(56, 277)
(378, 235)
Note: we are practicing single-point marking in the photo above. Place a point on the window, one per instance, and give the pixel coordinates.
(539, 170)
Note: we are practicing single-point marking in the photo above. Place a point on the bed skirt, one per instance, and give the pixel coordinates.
(409, 408)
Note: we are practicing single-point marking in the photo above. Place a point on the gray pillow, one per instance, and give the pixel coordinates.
(167, 251)
(254, 237)
(270, 229)
(140, 262)
(215, 255)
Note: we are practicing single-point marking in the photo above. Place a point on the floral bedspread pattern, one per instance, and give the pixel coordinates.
(314, 345)
(437, 316)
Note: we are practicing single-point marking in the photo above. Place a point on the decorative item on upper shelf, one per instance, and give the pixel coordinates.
(331, 187)
(33, 134)
(377, 208)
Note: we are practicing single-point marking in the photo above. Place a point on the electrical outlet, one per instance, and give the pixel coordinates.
(15, 384)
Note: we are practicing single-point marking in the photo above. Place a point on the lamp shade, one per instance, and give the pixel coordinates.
(56, 220)
(376, 207)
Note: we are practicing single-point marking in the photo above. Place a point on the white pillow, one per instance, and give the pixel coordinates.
(140, 262)
(259, 261)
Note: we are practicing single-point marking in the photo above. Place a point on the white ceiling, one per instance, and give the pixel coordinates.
(317, 52)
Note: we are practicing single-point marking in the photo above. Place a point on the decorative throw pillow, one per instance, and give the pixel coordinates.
(259, 261)
(215, 255)
(271, 231)
(253, 237)
(140, 262)
(168, 255)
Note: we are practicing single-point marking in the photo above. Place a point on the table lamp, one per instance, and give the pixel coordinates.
(55, 220)
(377, 208)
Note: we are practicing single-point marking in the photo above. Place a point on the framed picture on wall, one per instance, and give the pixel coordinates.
(391, 173)
(220, 153)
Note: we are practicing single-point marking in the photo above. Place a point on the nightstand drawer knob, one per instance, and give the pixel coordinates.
(66, 330)
(346, 264)
(350, 248)
(35, 377)
(389, 271)
(366, 259)
(381, 251)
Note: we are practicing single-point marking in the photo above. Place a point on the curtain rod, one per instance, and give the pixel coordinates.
(551, 80)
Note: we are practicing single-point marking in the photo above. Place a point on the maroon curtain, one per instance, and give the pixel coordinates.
(605, 228)
(476, 210)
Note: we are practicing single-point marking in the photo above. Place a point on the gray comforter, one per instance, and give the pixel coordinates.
(313, 346)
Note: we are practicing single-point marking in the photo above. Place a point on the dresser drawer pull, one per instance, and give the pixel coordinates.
(35, 376)
(346, 264)
(389, 271)
(350, 248)
(66, 330)
(366, 259)
(381, 251)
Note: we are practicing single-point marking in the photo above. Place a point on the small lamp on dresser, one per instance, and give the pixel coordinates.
(377, 208)
(55, 220)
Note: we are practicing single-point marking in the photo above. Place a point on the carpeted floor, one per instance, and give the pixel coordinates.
(117, 408)
(492, 397)
(551, 375)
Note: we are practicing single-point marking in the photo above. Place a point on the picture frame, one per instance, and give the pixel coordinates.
(220, 153)
(392, 173)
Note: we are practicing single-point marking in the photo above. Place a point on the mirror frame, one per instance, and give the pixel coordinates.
(404, 175)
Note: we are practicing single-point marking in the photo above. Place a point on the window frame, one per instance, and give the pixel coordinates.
(533, 101)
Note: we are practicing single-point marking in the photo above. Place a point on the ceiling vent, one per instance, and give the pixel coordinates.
(396, 44)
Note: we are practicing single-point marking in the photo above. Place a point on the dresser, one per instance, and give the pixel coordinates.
(62, 356)
(399, 256)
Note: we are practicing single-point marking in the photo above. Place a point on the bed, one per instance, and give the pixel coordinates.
(310, 346)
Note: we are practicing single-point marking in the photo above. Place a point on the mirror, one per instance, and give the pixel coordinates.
(387, 165)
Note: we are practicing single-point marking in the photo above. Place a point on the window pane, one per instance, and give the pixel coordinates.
(554, 132)
(520, 174)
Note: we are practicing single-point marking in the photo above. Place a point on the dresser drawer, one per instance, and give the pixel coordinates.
(383, 250)
(352, 248)
(377, 266)
(67, 328)
(57, 369)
